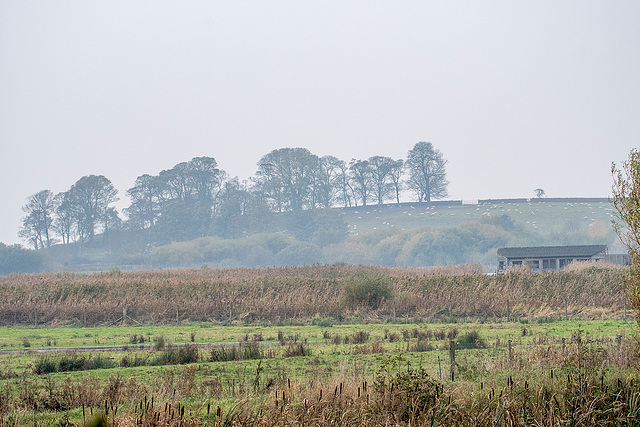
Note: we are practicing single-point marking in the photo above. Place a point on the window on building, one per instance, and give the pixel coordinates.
(516, 262)
(549, 264)
(534, 264)
(565, 261)
(500, 265)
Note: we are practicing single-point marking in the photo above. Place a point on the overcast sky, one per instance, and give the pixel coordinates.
(516, 95)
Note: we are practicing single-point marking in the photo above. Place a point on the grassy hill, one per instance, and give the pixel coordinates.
(546, 217)
(408, 234)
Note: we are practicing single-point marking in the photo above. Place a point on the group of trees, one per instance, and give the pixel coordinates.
(295, 179)
(74, 215)
(197, 198)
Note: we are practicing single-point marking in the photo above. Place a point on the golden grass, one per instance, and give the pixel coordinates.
(300, 293)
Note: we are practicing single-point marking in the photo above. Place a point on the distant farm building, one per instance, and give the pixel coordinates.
(550, 258)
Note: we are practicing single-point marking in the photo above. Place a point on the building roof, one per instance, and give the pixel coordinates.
(583, 251)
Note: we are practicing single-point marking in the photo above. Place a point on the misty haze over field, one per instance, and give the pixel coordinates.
(515, 96)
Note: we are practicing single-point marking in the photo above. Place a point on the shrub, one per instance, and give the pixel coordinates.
(421, 346)
(223, 354)
(407, 393)
(160, 343)
(367, 290)
(178, 356)
(294, 350)
(71, 362)
(300, 254)
(421, 335)
(245, 351)
(325, 322)
(360, 337)
(135, 339)
(472, 339)
(251, 351)
(45, 365)
(137, 360)
(98, 362)
(377, 347)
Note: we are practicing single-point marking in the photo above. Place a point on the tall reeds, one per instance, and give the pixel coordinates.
(301, 293)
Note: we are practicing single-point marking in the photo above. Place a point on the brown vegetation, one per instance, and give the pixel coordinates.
(301, 293)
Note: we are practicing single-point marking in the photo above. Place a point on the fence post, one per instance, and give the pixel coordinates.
(508, 310)
(619, 342)
(124, 316)
(394, 312)
(509, 350)
(177, 313)
(84, 316)
(625, 308)
(452, 358)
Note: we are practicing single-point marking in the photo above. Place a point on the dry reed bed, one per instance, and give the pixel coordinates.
(300, 293)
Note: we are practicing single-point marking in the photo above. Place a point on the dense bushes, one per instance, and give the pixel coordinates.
(72, 362)
(260, 250)
(367, 290)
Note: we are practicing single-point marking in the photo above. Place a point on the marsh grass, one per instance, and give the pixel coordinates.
(337, 293)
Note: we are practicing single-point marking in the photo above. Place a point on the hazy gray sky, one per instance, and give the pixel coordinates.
(517, 95)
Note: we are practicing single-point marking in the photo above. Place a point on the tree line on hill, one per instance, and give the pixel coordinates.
(196, 198)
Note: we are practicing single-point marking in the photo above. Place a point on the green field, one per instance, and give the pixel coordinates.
(245, 388)
(15, 338)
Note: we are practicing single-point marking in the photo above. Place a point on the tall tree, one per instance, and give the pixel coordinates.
(91, 196)
(626, 201)
(36, 225)
(240, 211)
(362, 178)
(395, 174)
(179, 203)
(205, 178)
(427, 174)
(381, 177)
(286, 177)
(344, 189)
(146, 198)
(327, 186)
(65, 218)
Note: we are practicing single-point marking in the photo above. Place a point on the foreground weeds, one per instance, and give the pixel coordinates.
(581, 382)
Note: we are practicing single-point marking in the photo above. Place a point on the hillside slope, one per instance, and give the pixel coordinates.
(408, 234)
